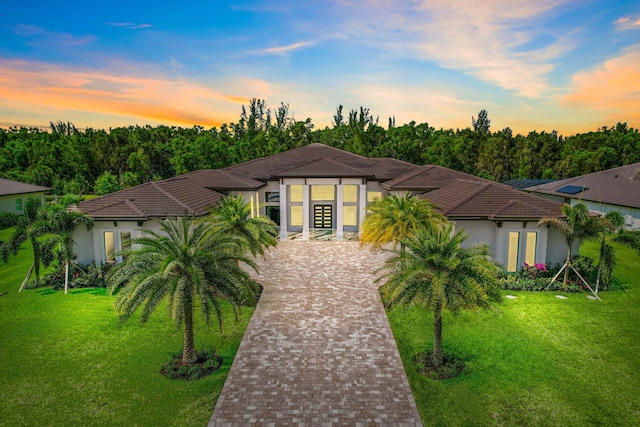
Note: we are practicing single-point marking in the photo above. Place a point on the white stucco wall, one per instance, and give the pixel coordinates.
(497, 237)
(89, 245)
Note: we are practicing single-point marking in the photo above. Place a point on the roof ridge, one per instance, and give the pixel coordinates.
(133, 206)
(172, 197)
(412, 174)
(240, 178)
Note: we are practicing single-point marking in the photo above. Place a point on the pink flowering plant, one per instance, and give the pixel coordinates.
(535, 270)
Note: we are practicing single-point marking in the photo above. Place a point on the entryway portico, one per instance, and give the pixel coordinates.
(328, 207)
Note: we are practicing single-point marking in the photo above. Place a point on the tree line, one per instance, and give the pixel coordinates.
(74, 161)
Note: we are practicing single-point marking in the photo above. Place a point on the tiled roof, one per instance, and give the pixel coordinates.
(173, 197)
(325, 168)
(618, 186)
(429, 177)
(220, 179)
(9, 187)
(483, 199)
(266, 168)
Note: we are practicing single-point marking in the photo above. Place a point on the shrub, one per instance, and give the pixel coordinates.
(630, 238)
(7, 219)
(208, 362)
(538, 277)
(81, 276)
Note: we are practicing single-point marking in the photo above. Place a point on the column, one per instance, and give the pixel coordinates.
(339, 212)
(363, 207)
(283, 212)
(305, 212)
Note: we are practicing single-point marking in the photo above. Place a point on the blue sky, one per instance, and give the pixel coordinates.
(571, 66)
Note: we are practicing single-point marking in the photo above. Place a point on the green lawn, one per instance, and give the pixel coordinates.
(542, 361)
(64, 360)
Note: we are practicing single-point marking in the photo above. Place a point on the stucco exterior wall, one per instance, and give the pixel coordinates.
(8, 203)
(90, 245)
(496, 235)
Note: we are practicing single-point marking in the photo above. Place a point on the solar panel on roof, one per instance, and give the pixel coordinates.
(571, 189)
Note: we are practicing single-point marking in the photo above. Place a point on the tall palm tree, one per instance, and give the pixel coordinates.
(611, 222)
(577, 224)
(396, 218)
(28, 226)
(191, 263)
(438, 273)
(62, 224)
(233, 216)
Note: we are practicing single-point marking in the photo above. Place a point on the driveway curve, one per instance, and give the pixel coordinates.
(318, 350)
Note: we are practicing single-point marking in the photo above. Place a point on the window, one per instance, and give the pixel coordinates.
(296, 216)
(372, 196)
(296, 193)
(512, 251)
(109, 246)
(323, 192)
(19, 206)
(273, 213)
(350, 193)
(272, 196)
(350, 216)
(530, 252)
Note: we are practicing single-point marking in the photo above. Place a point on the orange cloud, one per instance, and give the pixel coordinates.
(28, 86)
(628, 23)
(613, 87)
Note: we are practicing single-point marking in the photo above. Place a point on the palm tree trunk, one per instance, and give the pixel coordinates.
(36, 259)
(437, 335)
(189, 355)
(66, 276)
(566, 270)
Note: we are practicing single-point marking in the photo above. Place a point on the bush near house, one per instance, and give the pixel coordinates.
(538, 277)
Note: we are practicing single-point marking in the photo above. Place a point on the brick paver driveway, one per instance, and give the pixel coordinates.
(318, 349)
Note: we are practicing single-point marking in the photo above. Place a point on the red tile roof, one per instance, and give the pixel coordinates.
(618, 186)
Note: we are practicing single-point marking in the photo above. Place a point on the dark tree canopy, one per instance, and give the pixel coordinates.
(71, 160)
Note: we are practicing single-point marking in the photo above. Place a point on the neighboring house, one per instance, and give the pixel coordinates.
(13, 195)
(615, 189)
(321, 192)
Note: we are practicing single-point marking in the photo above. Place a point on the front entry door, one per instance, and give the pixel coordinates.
(322, 216)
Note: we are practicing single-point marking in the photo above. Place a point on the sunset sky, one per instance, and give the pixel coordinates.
(571, 66)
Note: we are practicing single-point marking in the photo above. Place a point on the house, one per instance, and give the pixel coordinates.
(321, 192)
(13, 195)
(616, 189)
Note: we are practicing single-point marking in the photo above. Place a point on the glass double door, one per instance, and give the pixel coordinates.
(322, 216)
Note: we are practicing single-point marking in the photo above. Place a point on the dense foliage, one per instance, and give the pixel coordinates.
(71, 160)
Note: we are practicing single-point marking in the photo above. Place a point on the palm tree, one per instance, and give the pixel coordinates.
(611, 222)
(62, 223)
(233, 216)
(576, 225)
(28, 226)
(438, 273)
(191, 263)
(397, 218)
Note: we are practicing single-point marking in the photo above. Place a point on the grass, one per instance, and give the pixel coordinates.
(542, 361)
(64, 360)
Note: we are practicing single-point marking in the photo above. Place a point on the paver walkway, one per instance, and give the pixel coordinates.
(318, 350)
